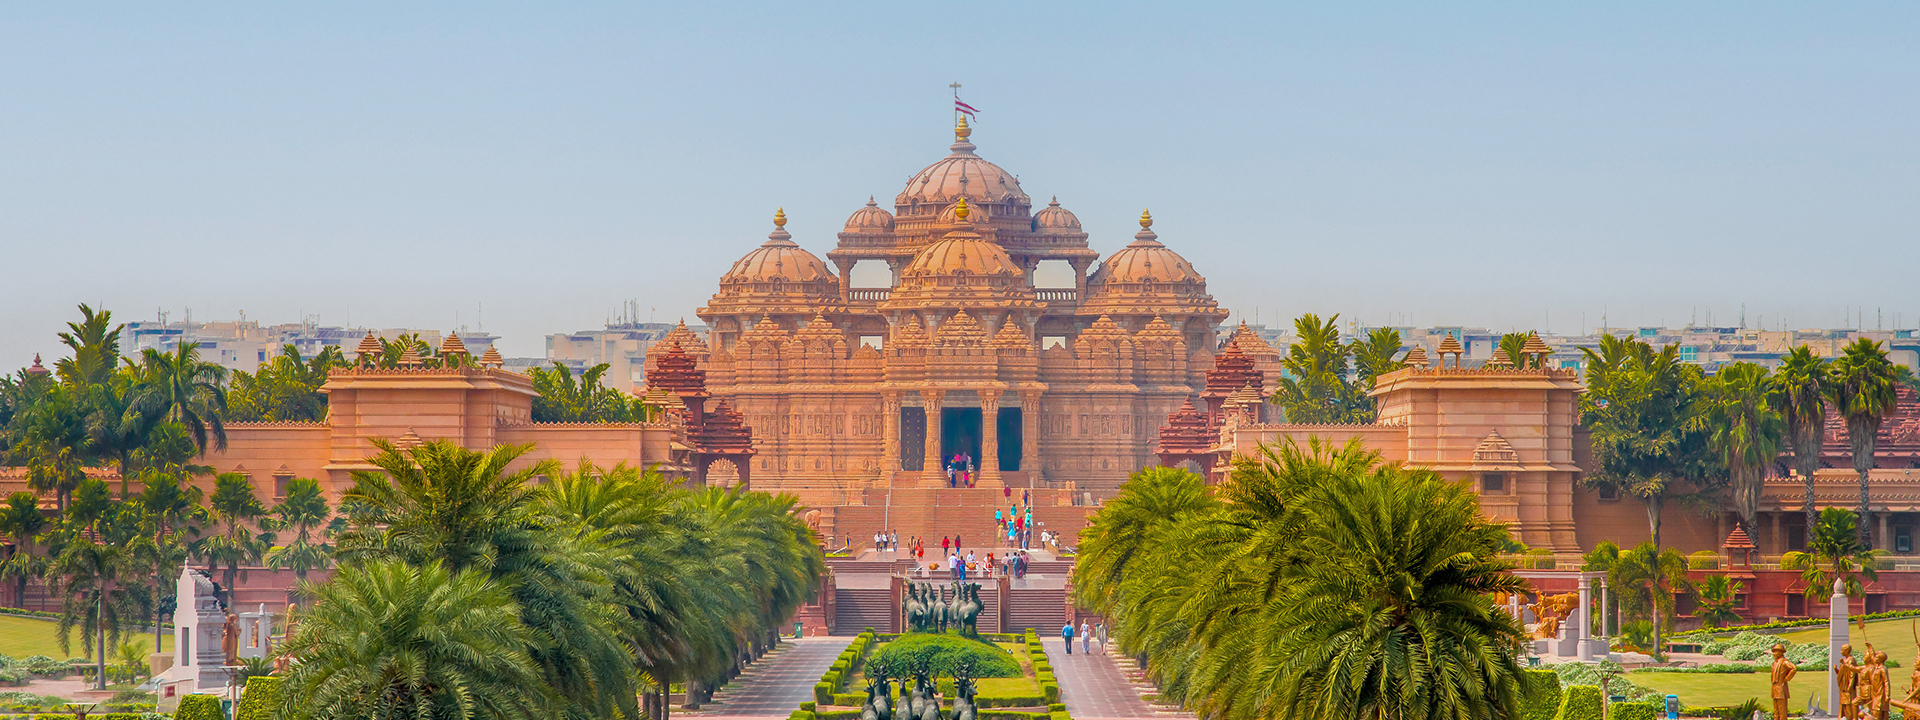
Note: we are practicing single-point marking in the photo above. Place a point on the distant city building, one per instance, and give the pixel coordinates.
(621, 345)
(245, 344)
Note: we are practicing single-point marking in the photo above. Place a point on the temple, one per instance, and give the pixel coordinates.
(961, 354)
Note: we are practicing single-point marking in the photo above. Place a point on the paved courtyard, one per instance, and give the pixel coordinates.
(1095, 687)
(776, 685)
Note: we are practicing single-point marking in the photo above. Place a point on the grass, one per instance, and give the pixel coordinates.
(984, 687)
(1721, 690)
(23, 637)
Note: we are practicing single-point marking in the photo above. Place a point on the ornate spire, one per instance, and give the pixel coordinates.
(961, 145)
(1146, 236)
(779, 236)
(453, 346)
(369, 349)
(37, 368)
(1417, 357)
(960, 210)
(410, 358)
(492, 358)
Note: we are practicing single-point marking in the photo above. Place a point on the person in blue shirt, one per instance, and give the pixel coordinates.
(1066, 633)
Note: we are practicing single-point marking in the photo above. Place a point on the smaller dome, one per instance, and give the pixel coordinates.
(870, 219)
(1054, 219)
(1145, 260)
(962, 251)
(779, 258)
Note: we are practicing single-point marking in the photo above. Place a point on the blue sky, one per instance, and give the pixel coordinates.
(404, 164)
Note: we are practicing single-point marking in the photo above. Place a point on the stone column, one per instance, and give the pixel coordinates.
(990, 435)
(894, 264)
(1883, 540)
(1581, 632)
(890, 435)
(1080, 279)
(1030, 435)
(846, 271)
(934, 462)
(1773, 528)
(1836, 637)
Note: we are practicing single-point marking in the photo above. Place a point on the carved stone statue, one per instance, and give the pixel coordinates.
(230, 639)
(967, 608)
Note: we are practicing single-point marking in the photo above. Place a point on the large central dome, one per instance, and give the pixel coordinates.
(962, 174)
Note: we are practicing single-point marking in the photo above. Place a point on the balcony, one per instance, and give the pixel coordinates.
(1056, 294)
(868, 294)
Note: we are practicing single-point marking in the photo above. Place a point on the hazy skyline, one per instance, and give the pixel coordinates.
(403, 165)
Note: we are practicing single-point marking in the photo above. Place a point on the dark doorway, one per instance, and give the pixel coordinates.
(960, 433)
(913, 438)
(1010, 439)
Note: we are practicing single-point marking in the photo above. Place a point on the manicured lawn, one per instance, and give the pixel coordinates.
(22, 637)
(1720, 690)
(1893, 637)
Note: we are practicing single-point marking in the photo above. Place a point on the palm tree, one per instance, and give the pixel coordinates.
(96, 349)
(1864, 390)
(172, 516)
(181, 388)
(88, 569)
(443, 503)
(1799, 393)
(1646, 579)
(1513, 346)
(1718, 598)
(304, 509)
(233, 507)
(1745, 431)
(51, 438)
(391, 641)
(22, 523)
(1642, 407)
(286, 388)
(1834, 551)
(1315, 389)
(1372, 357)
(563, 399)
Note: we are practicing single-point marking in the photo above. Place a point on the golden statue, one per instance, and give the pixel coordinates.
(1873, 688)
(1848, 675)
(1783, 672)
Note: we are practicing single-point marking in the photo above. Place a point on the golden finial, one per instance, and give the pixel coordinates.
(961, 131)
(780, 218)
(960, 210)
(1146, 219)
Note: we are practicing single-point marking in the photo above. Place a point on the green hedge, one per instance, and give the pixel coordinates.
(261, 700)
(1647, 710)
(1011, 715)
(1056, 707)
(1059, 715)
(801, 715)
(1580, 702)
(945, 652)
(1539, 694)
(838, 715)
(1051, 692)
(822, 693)
(849, 699)
(199, 707)
(53, 716)
(809, 706)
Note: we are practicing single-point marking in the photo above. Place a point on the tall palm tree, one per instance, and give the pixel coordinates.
(172, 514)
(1744, 431)
(1799, 393)
(1373, 356)
(392, 641)
(1315, 389)
(95, 342)
(1646, 579)
(236, 510)
(181, 388)
(89, 571)
(304, 510)
(1864, 390)
(23, 523)
(51, 438)
(285, 389)
(1834, 551)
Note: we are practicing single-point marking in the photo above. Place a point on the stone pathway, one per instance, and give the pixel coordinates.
(775, 686)
(1097, 686)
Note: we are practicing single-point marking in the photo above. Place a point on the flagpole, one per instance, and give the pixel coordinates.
(956, 102)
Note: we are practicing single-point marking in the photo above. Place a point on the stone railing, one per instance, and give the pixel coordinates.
(1056, 294)
(868, 294)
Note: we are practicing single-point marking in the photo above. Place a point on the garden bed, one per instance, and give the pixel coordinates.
(1034, 694)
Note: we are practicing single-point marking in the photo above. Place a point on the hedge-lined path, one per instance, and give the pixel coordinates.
(1095, 687)
(775, 686)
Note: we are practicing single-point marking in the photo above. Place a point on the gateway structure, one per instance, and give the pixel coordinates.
(848, 388)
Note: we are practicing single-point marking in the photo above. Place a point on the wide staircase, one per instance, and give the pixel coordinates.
(1040, 610)
(857, 609)
(933, 513)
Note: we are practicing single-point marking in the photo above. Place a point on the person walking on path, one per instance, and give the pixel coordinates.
(1066, 633)
(1100, 634)
(1086, 638)
(893, 540)
(956, 543)
(944, 543)
(953, 566)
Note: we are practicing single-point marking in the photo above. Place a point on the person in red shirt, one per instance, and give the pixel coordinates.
(944, 544)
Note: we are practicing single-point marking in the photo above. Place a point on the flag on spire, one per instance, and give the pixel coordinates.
(962, 107)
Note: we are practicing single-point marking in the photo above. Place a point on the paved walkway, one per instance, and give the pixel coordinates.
(775, 686)
(1094, 686)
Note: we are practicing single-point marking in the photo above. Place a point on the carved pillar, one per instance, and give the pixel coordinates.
(990, 435)
(889, 435)
(1773, 528)
(1883, 540)
(1080, 279)
(894, 264)
(846, 273)
(934, 461)
(1030, 435)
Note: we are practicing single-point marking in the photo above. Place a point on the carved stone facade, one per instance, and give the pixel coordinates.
(848, 386)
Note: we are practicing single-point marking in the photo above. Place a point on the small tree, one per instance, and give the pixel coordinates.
(1718, 598)
(234, 505)
(1834, 551)
(1864, 390)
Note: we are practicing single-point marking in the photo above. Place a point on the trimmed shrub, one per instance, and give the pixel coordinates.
(848, 699)
(1001, 701)
(1051, 691)
(1056, 706)
(944, 653)
(838, 715)
(1011, 715)
(1059, 715)
(822, 693)
(1580, 702)
(801, 715)
(199, 707)
(808, 705)
(1539, 694)
(53, 716)
(1637, 710)
(260, 700)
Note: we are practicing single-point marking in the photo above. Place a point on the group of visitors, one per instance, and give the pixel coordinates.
(960, 470)
(1014, 564)
(1088, 635)
(887, 540)
(1016, 526)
